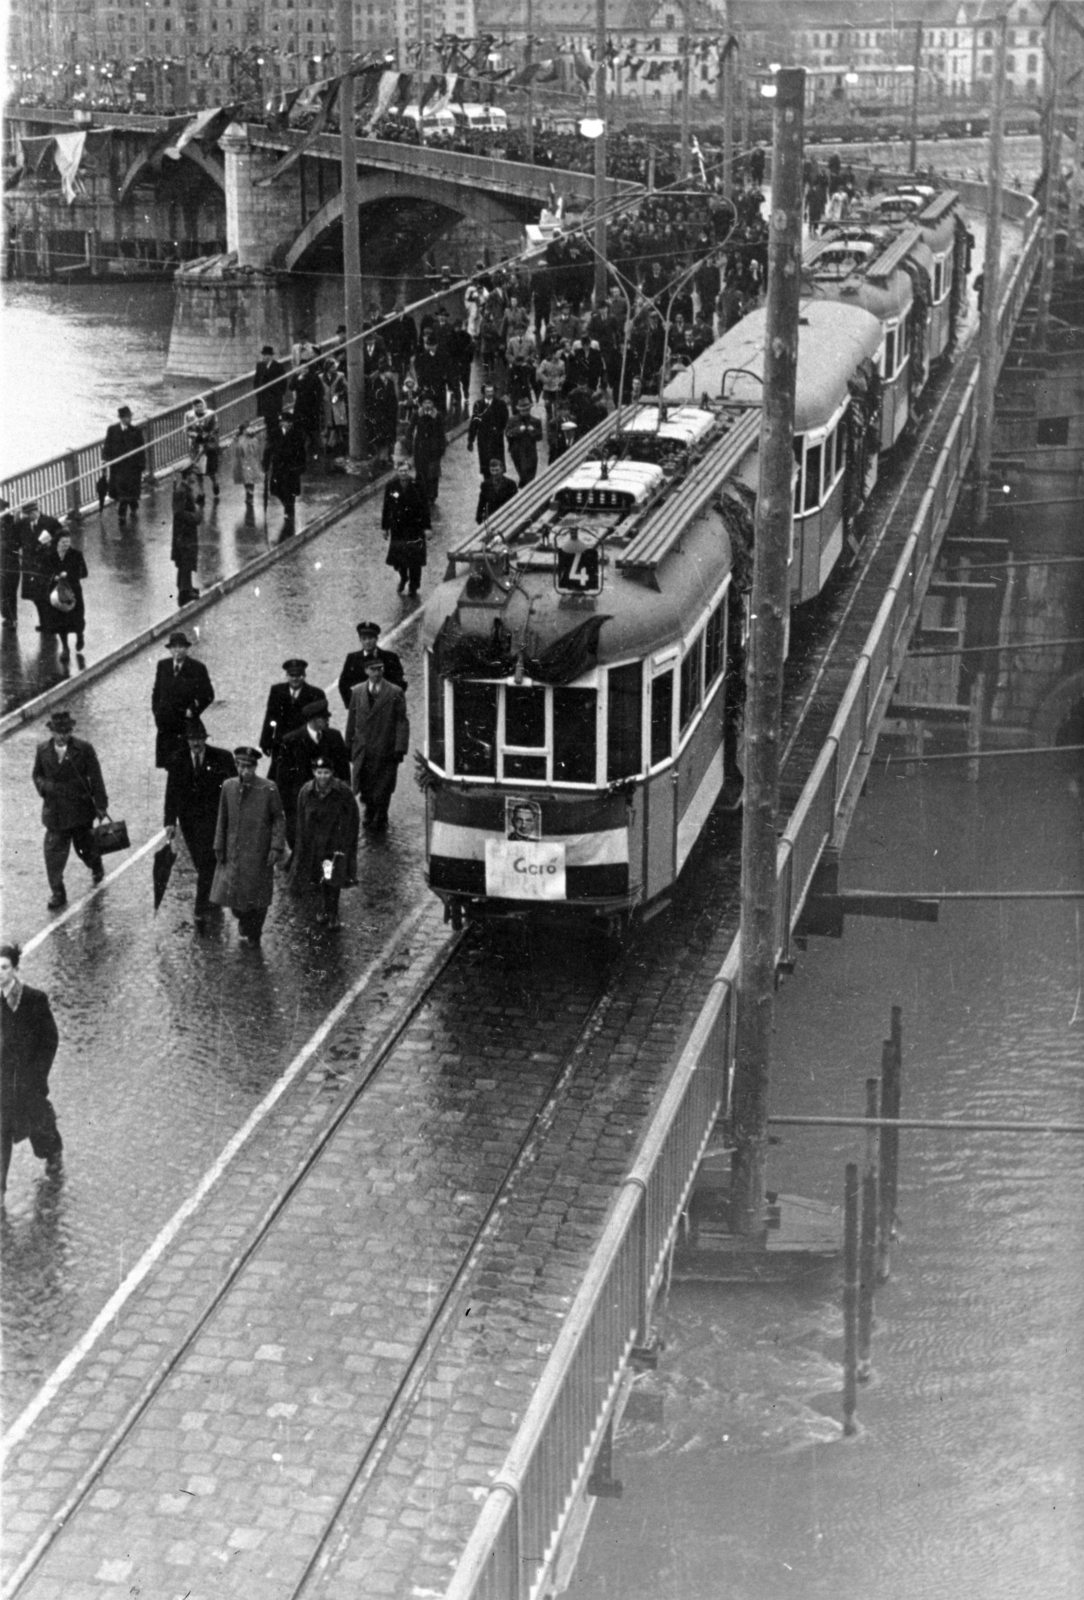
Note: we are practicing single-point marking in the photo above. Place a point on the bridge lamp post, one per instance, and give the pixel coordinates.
(355, 350)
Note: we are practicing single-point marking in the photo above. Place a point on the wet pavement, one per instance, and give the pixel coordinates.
(131, 585)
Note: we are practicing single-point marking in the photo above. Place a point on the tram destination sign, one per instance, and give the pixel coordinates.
(578, 567)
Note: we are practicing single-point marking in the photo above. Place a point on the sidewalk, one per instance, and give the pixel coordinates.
(131, 587)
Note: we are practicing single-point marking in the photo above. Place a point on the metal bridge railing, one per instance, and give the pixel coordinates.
(511, 1551)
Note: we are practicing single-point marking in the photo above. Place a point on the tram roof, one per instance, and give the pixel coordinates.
(641, 618)
(833, 340)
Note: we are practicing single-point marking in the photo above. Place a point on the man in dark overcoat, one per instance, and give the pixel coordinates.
(69, 779)
(298, 752)
(269, 382)
(250, 842)
(405, 519)
(284, 462)
(193, 786)
(286, 705)
(28, 1044)
(488, 421)
(353, 671)
(124, 457)
(377, 736)
(326, 857)
(34, 555)
(182, 689)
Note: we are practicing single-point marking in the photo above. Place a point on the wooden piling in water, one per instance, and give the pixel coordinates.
(891, 1064)
(867, 1255)
(850, 1298)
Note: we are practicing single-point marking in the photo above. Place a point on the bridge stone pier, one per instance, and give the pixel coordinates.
(281, 276)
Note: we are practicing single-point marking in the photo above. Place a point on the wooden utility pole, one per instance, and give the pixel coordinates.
(775, 496)
(528, 58)
(991, 283)
(914, 96)
(1052, 162)
(355, 350)
(600, 151)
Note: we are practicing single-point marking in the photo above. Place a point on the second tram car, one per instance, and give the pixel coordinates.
(837, 426)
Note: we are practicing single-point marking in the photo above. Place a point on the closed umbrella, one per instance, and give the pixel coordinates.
(163, 866)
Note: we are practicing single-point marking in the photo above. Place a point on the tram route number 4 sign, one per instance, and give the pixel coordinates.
(578, 569)
(525, 869)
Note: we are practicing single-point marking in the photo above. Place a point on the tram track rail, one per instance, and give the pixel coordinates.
(334, 1537)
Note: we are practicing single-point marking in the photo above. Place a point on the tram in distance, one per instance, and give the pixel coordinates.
(584, 654)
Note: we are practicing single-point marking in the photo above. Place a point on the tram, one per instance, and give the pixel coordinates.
(837, 420)
(903, 255)
(584, 652)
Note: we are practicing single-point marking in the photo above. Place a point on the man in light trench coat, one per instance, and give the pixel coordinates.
(250, 841)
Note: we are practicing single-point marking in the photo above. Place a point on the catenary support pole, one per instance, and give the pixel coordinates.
(914, 97)
(850, 1298)
(991, 283)
(730, 79)
(867, 1254)
(600, 151)
(528, 58)
(1052, 163)
(756, 984)
(686, 82)
(355, 350)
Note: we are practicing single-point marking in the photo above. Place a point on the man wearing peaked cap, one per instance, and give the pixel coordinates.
(250, 842)
(286, 703)
(182, 689)
(327, 839)
(69, 780)
(353, 671)
(193, 787)
(299, 750)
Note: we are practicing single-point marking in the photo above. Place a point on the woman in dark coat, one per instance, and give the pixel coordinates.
(28, 1043)
(430, 443)
(326, 857)
(404, 520)
(184, 552)
(64, 561)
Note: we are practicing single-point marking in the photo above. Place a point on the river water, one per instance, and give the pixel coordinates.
(71, 354)
(965, 1478)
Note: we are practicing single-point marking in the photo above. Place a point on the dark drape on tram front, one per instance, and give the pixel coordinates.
(466, 655)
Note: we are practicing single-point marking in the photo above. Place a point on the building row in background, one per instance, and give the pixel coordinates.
(193, 52)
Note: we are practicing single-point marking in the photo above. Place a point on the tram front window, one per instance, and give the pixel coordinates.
(662, 717)
(574, 720)
(525, 730)
(475, 729)
(624, 731)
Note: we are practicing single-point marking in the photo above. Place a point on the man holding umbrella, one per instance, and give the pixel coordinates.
(193, 787)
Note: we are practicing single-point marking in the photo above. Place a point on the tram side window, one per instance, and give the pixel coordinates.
(436, 715)
(575, 716)
(662, 717)
(690, 684)
(938, 279)
(799, 448)
(841, 441)
(625, 722)
(890, 353)
(475, 729)
(715, 644)
(524, 730)
(813, 477)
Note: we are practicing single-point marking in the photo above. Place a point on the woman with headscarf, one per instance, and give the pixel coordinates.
(65, 610)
